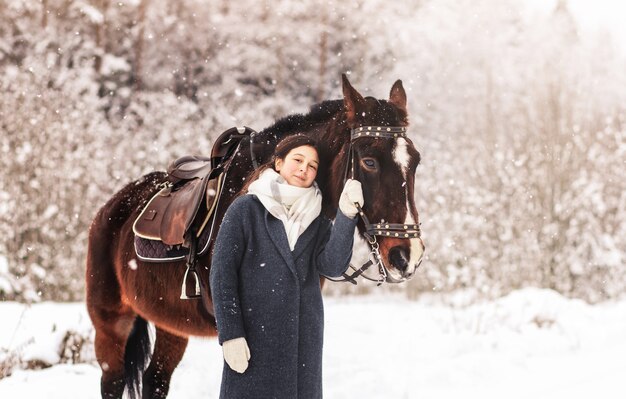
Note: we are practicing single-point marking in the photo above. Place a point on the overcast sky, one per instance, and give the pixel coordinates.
(593, 15)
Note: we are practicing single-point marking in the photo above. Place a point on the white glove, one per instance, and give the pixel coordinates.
(351, 193)
(236, 354)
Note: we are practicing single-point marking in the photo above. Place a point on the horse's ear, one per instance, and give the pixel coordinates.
(397, 95)
(352, 100)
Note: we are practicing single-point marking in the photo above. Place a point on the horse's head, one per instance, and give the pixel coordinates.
(384, 160)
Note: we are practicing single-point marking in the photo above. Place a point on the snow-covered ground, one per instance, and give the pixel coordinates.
(529, 344)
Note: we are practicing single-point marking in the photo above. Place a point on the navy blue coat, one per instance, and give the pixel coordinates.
(271, 295)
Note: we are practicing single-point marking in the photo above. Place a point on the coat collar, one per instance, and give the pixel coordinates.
(276, 231)
(305, 238)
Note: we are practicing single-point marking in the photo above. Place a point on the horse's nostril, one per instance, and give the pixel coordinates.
(399, 258)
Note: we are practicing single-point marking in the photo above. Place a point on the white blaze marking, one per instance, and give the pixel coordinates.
(416, 247)
(409, 217)
(415, 244)
(401, 155)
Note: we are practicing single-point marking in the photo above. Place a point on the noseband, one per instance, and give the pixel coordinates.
(396, 230)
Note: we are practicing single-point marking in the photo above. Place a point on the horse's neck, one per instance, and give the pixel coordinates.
(331, 134)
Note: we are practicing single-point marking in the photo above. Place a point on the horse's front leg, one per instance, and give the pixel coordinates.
(168, 351)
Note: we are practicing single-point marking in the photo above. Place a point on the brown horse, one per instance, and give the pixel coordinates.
(124, 293)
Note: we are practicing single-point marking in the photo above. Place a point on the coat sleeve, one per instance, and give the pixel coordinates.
(224, 275)
(335, 252)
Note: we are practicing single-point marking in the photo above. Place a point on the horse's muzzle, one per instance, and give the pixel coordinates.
(405, 260)
(399, 258)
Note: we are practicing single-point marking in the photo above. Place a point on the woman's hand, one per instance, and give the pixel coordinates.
(236, 354)
(352, 192)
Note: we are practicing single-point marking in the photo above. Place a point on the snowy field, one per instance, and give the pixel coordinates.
(530, 344)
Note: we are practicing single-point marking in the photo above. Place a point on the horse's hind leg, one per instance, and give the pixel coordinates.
(112, 319)
(168, 351)
(112, 329)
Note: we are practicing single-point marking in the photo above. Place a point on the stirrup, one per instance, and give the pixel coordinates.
(192, 261)
(183, 292)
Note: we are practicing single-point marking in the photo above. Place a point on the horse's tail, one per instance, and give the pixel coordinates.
(136, 356)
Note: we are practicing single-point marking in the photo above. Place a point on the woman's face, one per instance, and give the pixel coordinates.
(299, 167)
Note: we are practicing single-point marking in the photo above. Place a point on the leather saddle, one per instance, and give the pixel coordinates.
(180, 211)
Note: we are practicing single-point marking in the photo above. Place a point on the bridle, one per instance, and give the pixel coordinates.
(396, 230)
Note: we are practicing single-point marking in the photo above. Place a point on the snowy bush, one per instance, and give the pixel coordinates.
(41, 336)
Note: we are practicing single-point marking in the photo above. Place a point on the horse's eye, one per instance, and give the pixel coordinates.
(369, 163)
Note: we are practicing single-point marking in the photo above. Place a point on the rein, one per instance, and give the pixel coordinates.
(397, 230)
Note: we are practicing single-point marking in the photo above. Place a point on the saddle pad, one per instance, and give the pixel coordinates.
(156, 251)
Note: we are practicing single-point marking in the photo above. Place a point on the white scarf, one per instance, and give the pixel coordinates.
(296, 207)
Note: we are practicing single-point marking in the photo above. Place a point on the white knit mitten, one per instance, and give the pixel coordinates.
(352, 192)
(236, 354)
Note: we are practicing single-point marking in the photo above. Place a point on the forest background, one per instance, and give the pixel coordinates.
(519, 118)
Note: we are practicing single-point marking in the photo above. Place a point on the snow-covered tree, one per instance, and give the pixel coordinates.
(519, 120)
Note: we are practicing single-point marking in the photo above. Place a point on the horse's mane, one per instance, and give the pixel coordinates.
(318, 114)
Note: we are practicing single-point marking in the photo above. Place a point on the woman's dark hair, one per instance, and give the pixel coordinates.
(280, 152)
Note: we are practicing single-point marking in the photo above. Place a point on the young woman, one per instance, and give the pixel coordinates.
(270, 251)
